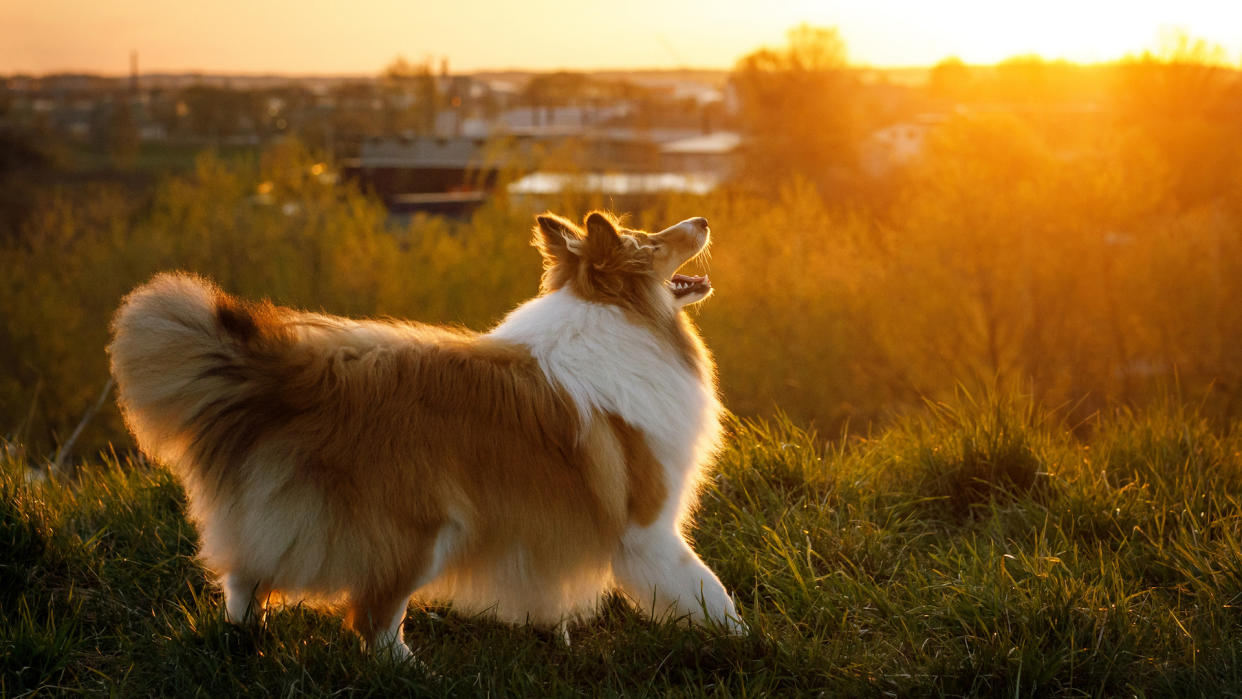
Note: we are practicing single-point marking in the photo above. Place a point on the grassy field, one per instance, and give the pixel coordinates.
(978, 549)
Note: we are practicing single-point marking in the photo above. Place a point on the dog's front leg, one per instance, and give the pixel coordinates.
(244, 598)
(661, 574)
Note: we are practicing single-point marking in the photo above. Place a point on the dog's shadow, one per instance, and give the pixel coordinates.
(457, 652)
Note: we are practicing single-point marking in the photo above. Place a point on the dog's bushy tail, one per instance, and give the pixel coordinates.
(199, 373)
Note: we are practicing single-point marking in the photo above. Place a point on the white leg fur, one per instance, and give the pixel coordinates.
(392, 639)
(241, 598)
(659, 571)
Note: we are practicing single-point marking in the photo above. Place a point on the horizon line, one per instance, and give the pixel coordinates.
(596, 69)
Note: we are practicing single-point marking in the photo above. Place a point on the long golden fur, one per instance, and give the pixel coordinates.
(361, 461)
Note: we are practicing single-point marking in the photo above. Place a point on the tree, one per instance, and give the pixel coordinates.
(122, 135)
(1187, 102)
(414, 98)
(220, 112)
(799, 105)
(949, 79)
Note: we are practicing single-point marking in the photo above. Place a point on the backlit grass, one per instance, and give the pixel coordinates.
(977, 549)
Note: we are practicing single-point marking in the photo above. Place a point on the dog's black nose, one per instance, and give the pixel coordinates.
(700, 222)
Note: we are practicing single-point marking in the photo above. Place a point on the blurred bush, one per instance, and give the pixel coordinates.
(1082, 264)
(277, 228)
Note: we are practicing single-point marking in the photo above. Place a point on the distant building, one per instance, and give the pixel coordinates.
(686, 165)
(393, 168)
(897, 144)
(715, 153)
(412, 172)
(617, 184)
(528, 119)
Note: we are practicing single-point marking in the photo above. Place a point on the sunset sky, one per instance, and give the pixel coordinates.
(331, 37)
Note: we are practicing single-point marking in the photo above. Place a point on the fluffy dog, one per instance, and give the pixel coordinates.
(522, 472)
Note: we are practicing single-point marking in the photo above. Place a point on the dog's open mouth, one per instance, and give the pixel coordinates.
(682, 285)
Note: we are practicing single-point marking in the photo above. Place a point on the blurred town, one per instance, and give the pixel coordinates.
(423, 138)
(426, 139)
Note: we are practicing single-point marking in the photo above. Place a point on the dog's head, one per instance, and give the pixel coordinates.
(606, 263)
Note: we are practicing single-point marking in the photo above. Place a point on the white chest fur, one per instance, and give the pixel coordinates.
(609, 363)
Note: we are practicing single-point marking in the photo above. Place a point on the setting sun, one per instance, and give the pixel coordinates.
(897, 33)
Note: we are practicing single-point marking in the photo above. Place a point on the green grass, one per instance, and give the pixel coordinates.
(979, 549)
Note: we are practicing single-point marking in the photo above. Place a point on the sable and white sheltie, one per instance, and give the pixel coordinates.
(522, 472)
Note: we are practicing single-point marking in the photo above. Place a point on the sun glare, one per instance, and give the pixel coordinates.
(904, 33)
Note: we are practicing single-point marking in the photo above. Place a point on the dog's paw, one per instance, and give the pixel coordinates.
(395, 652)
(734, 626)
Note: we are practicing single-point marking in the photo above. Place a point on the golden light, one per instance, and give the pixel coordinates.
(566, 34)
(904, 32)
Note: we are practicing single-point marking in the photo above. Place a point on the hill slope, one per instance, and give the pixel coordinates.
(977, 550)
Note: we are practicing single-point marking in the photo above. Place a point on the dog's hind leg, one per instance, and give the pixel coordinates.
(659, 571)
(377, 615)
(377, 618)
(243, 597)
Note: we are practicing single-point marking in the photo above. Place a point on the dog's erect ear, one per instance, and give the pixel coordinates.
(602, 236)
(556, 238)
